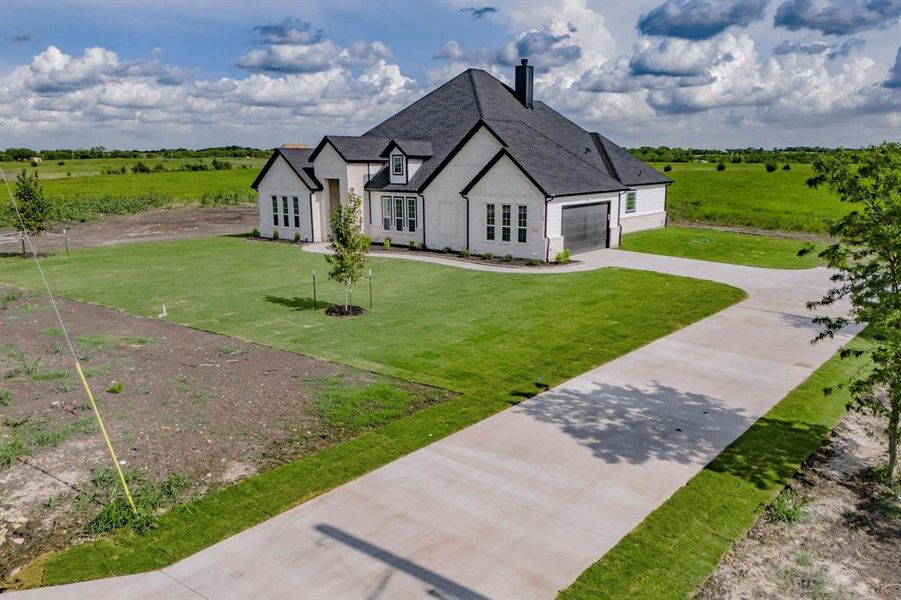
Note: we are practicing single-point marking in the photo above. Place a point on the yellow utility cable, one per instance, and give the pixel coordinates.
(62, 325)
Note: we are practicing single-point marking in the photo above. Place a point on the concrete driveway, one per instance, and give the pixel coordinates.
(518, 505)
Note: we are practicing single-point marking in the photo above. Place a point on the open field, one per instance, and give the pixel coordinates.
(722, 246)
(746, 195)
(429, 324)
(181, 405)
(679, 545)
(51, 169)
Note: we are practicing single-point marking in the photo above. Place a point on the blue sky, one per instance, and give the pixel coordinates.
(711, 73)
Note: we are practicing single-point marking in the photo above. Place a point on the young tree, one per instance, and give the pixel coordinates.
(349, 245)
(33, 206)
(867, 270)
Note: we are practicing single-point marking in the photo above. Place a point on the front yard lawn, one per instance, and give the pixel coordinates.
(722, 246)
(496, 338)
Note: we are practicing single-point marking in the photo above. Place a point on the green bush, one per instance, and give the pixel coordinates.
(296, 237)
(413, 246)
(533, 262)
(508, 258)
(140, 167)
(562, 256)
(667, 168)
(275, 234)
(770, 167)
(447, 250)
(488, 256)
(387, 244)
(464, 253)
(255, 233)
(721, 166)
(786, 167)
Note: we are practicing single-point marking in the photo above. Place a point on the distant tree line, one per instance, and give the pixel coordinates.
(793, 154)
(23, 154)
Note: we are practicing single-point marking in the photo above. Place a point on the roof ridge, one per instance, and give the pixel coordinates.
(553, 141)
(605, 156)
(475, 93)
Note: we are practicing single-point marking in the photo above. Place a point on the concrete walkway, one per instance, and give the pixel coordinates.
(518, 505)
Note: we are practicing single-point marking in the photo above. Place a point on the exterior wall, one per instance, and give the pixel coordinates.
(650, 209)
(556, 242)
(401, 238)
(392, 178)
(329, 165)
(281, 181)
(445, 208)
(506, 184)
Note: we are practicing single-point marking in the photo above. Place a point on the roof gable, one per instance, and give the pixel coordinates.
(298, 159)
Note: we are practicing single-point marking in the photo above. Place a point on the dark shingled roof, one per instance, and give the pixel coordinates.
(299, 161)
(414, 148)
(561, 157)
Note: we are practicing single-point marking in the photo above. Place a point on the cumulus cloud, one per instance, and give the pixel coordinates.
(479, 12)
(290, 58)
(830, 49)
(551, 45)
(289, 31)
(700, 19)
(837, 17)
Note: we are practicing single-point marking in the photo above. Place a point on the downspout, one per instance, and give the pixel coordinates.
(467, 221)
(312, 227)
(547, 242)
(421, 197)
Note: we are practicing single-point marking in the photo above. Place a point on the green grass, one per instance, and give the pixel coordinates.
(746, 195)
(679, 545)
(50, 170)
(722, 246)
(496, 338)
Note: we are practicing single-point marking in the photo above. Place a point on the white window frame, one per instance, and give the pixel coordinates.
(522, 223)
(631, 196)
(506, 222)
(397, 160)
(275, 211)
(387, 204)
(285, 216)
(411, 216)
(295, 202)
(491, 222)
(399, 215)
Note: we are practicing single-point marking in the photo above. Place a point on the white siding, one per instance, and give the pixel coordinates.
(445, 208)
(281, 181)
(400, 238)
(556, 241)
(650, 209)
(503, 185)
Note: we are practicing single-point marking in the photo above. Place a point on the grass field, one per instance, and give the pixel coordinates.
(746, 195)
(722, 246)
(679, 545)
(429, 323)
(50, 169)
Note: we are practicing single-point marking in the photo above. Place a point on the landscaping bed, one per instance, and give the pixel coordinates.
(188, 412)
(490, 259)
(834, 532)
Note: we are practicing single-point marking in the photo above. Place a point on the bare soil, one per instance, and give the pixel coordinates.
(848, 543)
(792, 235)
(211, 408)
(155, 225)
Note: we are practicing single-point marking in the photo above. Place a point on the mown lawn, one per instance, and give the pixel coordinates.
(746, 195)
(495, 338)
(679, 545)
(722, 246)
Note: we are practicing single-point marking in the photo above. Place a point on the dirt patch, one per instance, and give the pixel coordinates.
(155, 225)
(847, 544)
(176, 401)
(791, 235)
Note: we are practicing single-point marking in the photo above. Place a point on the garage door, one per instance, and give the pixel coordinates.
(585, 226)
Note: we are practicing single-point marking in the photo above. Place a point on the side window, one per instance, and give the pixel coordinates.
(489, 222)
(274, 211)
(411, 214)
(522, 223)
(386, 212)
(285, 211)
(505, 222)
(397, 164)
(399, 213)
(296, 213)
(631, 202)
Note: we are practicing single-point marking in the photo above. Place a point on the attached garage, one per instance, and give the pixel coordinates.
(586, 226)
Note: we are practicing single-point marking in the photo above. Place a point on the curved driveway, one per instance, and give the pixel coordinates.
(518, 505)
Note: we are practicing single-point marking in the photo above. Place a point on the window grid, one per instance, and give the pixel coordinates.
(275, 211)
(411, 214)
(285, 211)
(489, 221)
(505, 222)
(630, 202)
(523, 219)
(296, 212)
(399, 213)
(386, 213)
(397, 164)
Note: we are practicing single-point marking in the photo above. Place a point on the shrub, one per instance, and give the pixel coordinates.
(562, 256)
(61, 163)
(735, 160)
(275, 234)
(787, 508)
(387, 244)
(487, 256)
(786, 167)
(159, 168)
(508, 258)
(413, 245)
(296, 237)
(140, 167)
(255, 233)
(533, 262)
(221, 165)
(447, 250)
(770, 167)
(464, 253)
(721, 166)
(68, 173)
(667, 168)
(115, 388)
